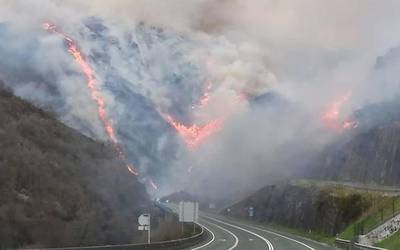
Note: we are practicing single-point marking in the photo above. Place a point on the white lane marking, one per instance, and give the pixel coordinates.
(208, 243)
(280, 235)
(270, 246)
(226, 230)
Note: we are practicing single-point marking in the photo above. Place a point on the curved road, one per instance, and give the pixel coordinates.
(227, 234)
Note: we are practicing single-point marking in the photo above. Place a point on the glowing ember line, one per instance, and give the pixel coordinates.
(95, 94)
(132, 170)
(195, 135)
(331, 118)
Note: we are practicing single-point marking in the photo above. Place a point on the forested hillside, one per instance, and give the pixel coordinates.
(58, 187)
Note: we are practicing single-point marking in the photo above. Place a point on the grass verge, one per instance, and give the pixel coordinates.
(313, 235)
(391, 243)
(383, 208)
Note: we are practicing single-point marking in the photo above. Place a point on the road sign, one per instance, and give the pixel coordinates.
(144, 222)
(143, 228)
(144, 219)
(251, 211)
(188, 211)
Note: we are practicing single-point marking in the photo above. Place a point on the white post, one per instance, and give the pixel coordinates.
(148, 233)
(144, 221)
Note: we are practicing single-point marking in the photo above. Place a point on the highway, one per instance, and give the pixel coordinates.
(227, 233)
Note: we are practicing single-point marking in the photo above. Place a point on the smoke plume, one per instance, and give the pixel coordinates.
(269, 71)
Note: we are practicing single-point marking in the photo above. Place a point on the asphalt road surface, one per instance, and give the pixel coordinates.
(227, 233)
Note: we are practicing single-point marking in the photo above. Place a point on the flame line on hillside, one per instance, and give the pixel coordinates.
(95, 94)
(194, 135)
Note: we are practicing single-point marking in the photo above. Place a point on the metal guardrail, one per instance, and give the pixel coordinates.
(348, 245)
(167, 245)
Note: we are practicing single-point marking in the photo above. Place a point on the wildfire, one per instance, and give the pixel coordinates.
(350, 124)
(331, 118)
(132, 170)
(194, 135)
(206, 96)
(95, 94)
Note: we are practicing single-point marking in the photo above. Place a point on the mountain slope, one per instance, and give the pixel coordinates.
(58, 187)
(372, 156)
(123, 68)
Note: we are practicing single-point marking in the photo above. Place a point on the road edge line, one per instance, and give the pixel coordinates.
(234, 235)
(270, 246)
(208, 243)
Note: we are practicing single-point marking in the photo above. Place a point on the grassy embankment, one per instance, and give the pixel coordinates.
(383, 208)
(393, 242)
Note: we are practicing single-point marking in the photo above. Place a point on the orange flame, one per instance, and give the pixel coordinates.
(195, 135)
(331, 118)
(95, 94)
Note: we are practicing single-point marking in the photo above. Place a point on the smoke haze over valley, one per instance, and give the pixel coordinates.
(220, 96)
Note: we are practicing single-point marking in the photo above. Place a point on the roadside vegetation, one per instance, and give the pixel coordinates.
(393, 242)
(384, 205)
(320, 210)
(383, 208)
(313, 235)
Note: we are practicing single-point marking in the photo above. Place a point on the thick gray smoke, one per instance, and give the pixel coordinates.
(271, 69)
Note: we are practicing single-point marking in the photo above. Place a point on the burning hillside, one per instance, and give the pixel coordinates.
(112, 94)
(332, 117)
(194, 135)
(95, 94)
(154, 85)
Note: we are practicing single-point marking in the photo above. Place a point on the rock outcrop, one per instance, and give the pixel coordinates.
(312, 208)
(372, 156)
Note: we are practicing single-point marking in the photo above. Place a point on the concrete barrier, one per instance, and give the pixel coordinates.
(348, 245)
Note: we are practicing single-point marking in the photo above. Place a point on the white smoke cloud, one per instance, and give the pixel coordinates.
(310, 52)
